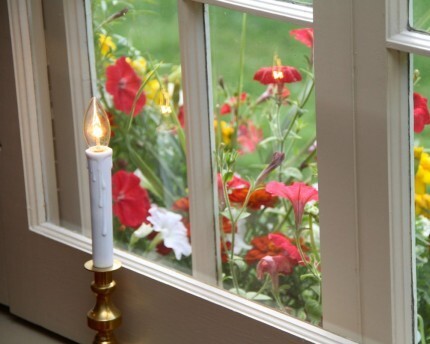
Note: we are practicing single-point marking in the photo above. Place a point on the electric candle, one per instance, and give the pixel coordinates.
(99, 157)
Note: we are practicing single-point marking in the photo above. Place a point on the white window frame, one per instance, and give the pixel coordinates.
(364, 238)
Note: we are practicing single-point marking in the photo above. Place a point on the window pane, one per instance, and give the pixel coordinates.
(420, 15)
(266, 155)
(136, 48)
(421, 156)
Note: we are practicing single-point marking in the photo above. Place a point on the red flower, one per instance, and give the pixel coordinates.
(225, 109)
(181, 116)
(226, 225)
(262, 246)
(421, 113)
(130, 201)
(274, 244)
(277, 75)
(232, 102)
(248, 137)
(160, 248)
(305, 36)
(112, 123)
(123, 83)
(281, 258)
(224, 252)
(298, 193)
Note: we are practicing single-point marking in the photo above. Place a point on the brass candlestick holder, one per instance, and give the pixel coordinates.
(104, 317)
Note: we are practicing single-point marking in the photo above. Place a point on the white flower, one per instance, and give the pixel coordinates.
(239, 242)
(172, 230)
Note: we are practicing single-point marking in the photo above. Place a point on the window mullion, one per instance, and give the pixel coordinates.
(399, 169)
(381, 147)
(80, 93)
(200, 141)
(336, 166)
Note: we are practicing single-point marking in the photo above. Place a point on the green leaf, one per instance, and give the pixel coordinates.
(240, 263)
(227, 177)
(292, 172)
(313, 309)
(268, 139)
(239, 291)
(252, 295)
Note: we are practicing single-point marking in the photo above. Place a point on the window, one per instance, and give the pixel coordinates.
(361, 98)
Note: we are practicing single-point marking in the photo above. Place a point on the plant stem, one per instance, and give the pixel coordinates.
(314, 247)
(310, 268)
(278, 300)
(421, 328)
(241, 72)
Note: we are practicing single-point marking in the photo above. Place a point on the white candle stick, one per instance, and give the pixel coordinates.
(99, 157)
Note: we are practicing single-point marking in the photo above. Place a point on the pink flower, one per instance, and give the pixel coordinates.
(287, 248)
(130, 201)
(421, 113)
(274, 265)
(298, 194)
(232, 102)
(123, 84)
(248, 137)
(305, 36)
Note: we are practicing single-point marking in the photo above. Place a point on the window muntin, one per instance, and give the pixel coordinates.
(137, 66)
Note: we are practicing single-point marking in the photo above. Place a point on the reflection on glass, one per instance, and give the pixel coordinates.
(266, 154)
(143, 98)
(420, 16)
(421, 156)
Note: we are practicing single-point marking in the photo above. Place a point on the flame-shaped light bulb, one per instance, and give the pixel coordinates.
(96, 126)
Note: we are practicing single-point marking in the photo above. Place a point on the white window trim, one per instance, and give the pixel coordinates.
(398, 305)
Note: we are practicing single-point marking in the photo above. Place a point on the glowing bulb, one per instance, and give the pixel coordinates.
(96, 126)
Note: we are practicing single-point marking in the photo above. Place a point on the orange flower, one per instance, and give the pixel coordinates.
(259, 198)
(182, 205)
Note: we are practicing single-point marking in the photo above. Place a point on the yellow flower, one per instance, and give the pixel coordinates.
(422, 205)
(107, 46)
(226, 131)
(417, 152)
(153, 92)
(423, 171)
(139, 64)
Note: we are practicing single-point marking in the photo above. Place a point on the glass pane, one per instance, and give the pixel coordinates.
(421, 156)
(420, 15)
(266, 154)
(137, 63)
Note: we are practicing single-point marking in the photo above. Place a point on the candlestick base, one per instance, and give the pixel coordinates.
(104, 317)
